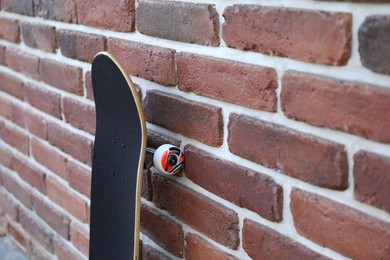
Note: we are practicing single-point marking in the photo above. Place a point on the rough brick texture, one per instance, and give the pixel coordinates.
(196, 120)
(198, 248)
(237, 184)
(39, 36)
(374, 43)
(14, 137)
(372, 179)
(64, 251)
(11, 85)
(179, 21)
(283, 149)
(211, 218)
(20, 6)
(59, 10)
(79, 115)
(30, 174)
(20, 191)
(116, 15)
(9, 30)
(261, 242)
(22, 62)
(146, 61)
(337, 104)
(339, 227)
(81, 46)
(79, 178)
(307, 35)
(79, 237)
(237, 83)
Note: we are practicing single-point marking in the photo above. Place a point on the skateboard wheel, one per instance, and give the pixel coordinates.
(168, 159)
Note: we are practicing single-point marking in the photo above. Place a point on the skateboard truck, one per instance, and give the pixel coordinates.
(168, 159)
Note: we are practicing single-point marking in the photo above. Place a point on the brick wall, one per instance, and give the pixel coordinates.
(282, 108)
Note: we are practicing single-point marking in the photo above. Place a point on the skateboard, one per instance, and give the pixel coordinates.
(118, 162)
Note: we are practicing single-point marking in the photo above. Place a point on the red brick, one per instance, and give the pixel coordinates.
(79, 115)
(36, 229)
(372, 179)
(43, 99)
(21, 192)
(261, 242)
(30, 174)
(6, 108)
(66, 199)
(79, 237)
(14, 137)
(193, 23)
(146, 61)
(34, 123)
(209, 217)
(164, 231)
(59, 10)
(116, 15)
(5, 157)
(2, 55)
(11, 85)
(242, 186)
(77, 146)
(49, 158)
(350, 107)
(52, 216)
(151, 253)
(242, 84)
(198, 248)
(155, 139)
(307, 35)
(62, 76)
(38, 252)
(22, 62)
(196, 120)
(146, 187)
(39, 36)
(20, 6)
(10, 30)
(64, 251)
(19, 236)
(338, 227)
(79, 45)
(311, 159)
(79, 178)
(88, 85)
(8, 206)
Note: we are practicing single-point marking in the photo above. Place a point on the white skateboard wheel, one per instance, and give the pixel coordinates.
(168, 159)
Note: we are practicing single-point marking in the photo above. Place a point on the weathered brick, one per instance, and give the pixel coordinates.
(10, 30)
(209, 217)
(39, 36)
(372, 179)
(311, 159)
(6, 108)
(80, 45)
(146, 187)
(196, 120)
(36, 229)
(374, 43)
(77, 146)
(116, 15)
(242, 186)
(339, 227)
(155, 139)
(43, 99)
(193, 23)
(2, 55)
(79, 115)
(151, 253)
(163, 230)
(261, 242)
(8, 206)
(79, 237)
(20, 6)
(88, 85)
(337, 104)
(49, 158)
(66, 199)
(22, 62)
(59, 10)
(79, 178)
(62, 76)
(52, 216)
(6, 157)
(307, 35)
(19, 236)
(38, 252)
(26, 118)
(11, 85)
(197, 248)
(19, 191)
(64, 251)
(242, 84)
(14, 137)
(146, 61)
(30, 174)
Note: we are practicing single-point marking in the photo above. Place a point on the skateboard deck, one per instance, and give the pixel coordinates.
(118, 162)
